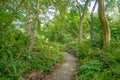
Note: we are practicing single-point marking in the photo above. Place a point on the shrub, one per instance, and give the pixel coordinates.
(47, 57)
(88, 69)
(101, 65)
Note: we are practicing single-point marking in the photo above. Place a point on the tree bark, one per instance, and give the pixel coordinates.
(82, 15)
(104, 22)
(29, 25)
(80, 36)
(35, 27)
(92, 31)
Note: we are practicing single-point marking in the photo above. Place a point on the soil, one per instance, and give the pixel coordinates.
(67, 70)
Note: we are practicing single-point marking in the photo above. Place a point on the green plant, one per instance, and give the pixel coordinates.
(47, 57)
(82, 50)
(88, 70)
(13, 68)
(101, 64)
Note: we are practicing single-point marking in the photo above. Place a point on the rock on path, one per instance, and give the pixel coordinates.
(67, 70)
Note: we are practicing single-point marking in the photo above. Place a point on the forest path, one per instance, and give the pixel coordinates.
(66, 71)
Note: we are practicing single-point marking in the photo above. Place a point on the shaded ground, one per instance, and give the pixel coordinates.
(67, 70)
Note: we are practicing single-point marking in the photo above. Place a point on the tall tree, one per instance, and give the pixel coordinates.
(29, 20)
(81, 15)
(104, 22)
(90, 21)
(32, 15)
(36, 25)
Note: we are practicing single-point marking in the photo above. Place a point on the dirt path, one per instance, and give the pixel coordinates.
(67, 70)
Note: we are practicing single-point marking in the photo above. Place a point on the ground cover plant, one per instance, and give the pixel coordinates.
(34, 35)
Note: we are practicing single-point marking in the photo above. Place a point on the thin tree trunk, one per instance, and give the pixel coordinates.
(29, 24)
(92, 32)
(80, 30)
(29, 27)
(104, 22)
(92, 12)
(35, 27)
(82, 15)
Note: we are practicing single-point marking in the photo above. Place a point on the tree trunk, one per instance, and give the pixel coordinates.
(92, 31)
(29, 24)
(29, 27)
(82, 15)
(104, 22)
(80, 30)
(35, 27)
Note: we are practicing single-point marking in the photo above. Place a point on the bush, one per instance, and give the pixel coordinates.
(88, 69)
(13, 68)
(14, 57)
(13, 54)
(100, 64)
(47, 57)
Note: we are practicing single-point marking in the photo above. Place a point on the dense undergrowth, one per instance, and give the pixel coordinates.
(98, 63)
(15, 60)
(16, 16)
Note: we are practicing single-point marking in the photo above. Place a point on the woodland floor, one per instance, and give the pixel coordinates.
(67, 69)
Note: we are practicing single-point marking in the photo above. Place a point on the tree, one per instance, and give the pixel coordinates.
(34, 36)
(90, 21)
(104, 22)
(81, 15)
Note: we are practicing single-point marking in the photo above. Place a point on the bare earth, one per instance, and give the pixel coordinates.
(67, 70)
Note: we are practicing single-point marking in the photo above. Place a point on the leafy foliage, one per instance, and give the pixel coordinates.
(101, 64)
(89, 69)
(97, 63)
(15, 59)
(115, 30)
(47, 57)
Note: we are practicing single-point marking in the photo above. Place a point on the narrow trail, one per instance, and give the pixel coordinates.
(67, 70)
